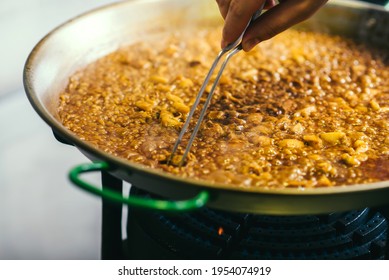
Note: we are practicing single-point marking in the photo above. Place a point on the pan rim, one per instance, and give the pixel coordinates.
(28, 80)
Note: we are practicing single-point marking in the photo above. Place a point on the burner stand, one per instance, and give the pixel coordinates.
(366, 229)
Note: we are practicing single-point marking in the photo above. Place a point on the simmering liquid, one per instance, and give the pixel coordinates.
(302, 110)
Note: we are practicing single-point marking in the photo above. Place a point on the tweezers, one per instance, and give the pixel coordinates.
(230, 50)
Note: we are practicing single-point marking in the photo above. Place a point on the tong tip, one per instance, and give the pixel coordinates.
(176, 160)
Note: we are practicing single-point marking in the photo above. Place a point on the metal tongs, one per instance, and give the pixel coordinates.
(230, 50)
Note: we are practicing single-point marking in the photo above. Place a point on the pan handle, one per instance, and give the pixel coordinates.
(197, 202)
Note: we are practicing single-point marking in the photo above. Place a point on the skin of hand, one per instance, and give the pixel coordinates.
(277, 18)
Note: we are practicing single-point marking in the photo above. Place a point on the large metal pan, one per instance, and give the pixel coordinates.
(94, 34)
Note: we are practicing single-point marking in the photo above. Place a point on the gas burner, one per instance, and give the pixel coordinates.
(214, 234)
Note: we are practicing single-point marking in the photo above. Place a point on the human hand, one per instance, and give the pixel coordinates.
(277, 18)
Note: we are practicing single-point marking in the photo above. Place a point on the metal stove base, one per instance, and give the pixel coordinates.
(211, 234)
(353, 235)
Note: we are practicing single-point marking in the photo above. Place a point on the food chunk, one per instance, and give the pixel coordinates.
(332, 138)
(291, 143)
(168, 119)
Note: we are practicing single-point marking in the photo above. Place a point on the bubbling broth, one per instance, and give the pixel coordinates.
(302, 110)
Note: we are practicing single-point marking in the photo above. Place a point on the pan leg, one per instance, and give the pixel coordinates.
(111, 241)
(384, 210)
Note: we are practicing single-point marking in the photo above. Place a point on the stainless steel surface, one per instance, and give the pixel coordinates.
(230, 50)
(56, 57)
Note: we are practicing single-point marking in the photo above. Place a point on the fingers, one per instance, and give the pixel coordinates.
(269, 4)
(225, 4)
(278, 19)
(237, 14)
(223, 7)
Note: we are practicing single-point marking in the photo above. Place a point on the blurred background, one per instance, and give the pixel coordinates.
(42, 216)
